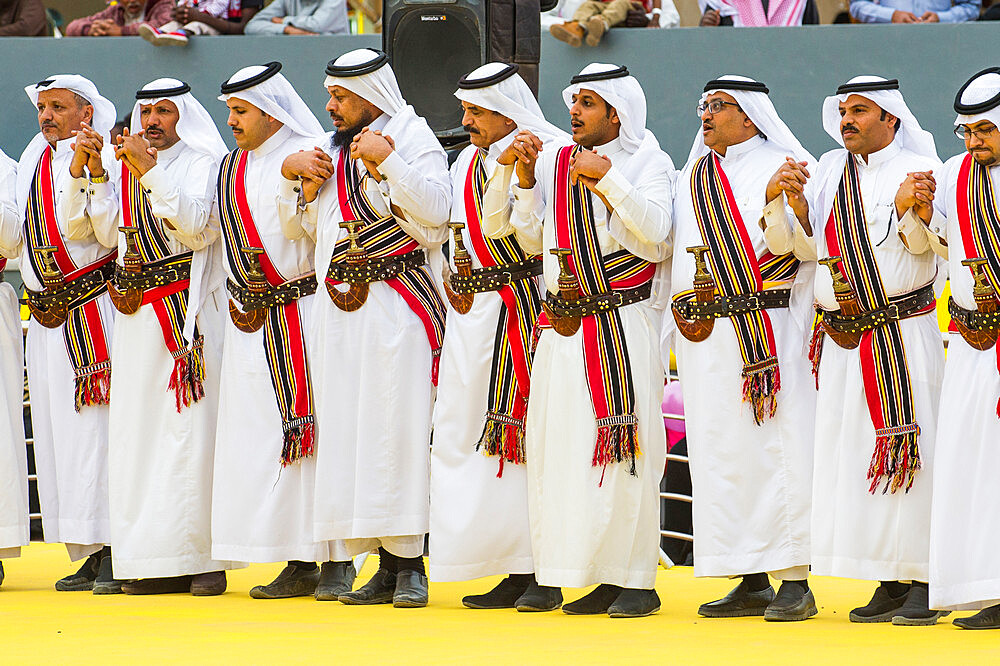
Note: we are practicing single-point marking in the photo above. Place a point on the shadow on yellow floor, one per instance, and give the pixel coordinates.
(38, 624)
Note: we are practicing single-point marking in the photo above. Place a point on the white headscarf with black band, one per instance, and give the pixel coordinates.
(979, 98)
(265, 88)
(497, 87)
(104, 119)
(752, 96)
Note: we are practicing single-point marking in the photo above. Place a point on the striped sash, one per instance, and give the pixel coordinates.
(884, 370)
(605, 352)
(83, 331)
(284, 342)
(738, 271)
(169, 302)
(381, 237)
(979, 222)
(503, 432)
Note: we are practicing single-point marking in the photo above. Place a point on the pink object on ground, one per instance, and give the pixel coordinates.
(673, 403)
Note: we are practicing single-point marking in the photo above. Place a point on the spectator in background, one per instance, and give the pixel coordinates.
(23, 18)
(915, 11)
(122, 18)
(757, 13)
(593, 19)
(207, 17)
(300, 17)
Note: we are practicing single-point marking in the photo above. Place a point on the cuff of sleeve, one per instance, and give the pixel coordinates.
(393, 168)
(155, 181)
(614, 186)
(909, 223)
(81, 185)
(775, 213)
(524, 199)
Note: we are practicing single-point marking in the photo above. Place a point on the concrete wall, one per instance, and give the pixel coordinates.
(801, 65)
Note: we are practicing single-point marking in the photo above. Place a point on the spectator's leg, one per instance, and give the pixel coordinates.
(588, 9)
(572, 32)
(615, 12)
(199, 28)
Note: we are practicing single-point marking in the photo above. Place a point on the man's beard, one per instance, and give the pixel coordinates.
(343, 138)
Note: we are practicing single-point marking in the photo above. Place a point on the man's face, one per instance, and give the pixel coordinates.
(133, 6)
(864, 126)
(251, 126)
(159, 121)
(727, 126)
(60, 112)
(350, 113)
(485, 127)
(593, 120)
(982, 140)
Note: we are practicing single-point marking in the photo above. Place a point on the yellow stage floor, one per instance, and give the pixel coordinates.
(40, 625)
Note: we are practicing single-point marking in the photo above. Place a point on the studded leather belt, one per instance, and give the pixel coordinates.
(283, 294)
(598, 303)
(494, 278)
(376, 270)
(900, 307)
(727, 306)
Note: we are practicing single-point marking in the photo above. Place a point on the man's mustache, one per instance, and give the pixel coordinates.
(470, 129)
(851, 128)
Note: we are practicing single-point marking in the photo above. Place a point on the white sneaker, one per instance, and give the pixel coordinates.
(149, 33)
(175, 38)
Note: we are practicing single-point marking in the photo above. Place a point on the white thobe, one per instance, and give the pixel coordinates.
(13, 455)
(585, 530)
(71, 448)
(857, 534)
(751, 483)
(373, 388)
(479, 520)
(964, 571)
(161, 457)
(262, 512)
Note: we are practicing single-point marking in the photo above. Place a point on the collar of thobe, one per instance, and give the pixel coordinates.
(379, 123)
(879, 157)
(737, 150)
(166, 155)
(611, 148)
(63, 146)
(500, 145)
(273, 142)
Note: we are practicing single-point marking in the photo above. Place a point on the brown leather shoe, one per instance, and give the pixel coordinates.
(570, 32)
(208, 584)
(171, 585)
(596, 27)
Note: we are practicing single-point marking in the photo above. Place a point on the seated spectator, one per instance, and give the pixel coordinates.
(300, 17)
(207, 17)
(23, 18)
(757, 13)
(915, 11)
(122, 18)
(593, 18)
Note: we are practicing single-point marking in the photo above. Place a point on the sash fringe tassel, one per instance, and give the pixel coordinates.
(503, 436)
(188, 377)
(761, 383)
(616, 443)
(896, 459)
(298, 441)
(93, 385)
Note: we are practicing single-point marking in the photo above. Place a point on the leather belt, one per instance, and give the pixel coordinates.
(598, 303)
(727, 306)
(973, 319)
(376, 270)
(900, 307)
(494, 278)
(69, 296)
(283, 294)
(158, 274)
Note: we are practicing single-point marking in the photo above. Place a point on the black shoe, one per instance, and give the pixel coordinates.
(378, 590)
(597, 601)
(503, 595)
(335, 579)
(740, 602)
(106, 582)
(84, 578)
(635, 603)
(293, 581)
(988, 618)
(881, 608)
(539, 598)
(411, 590)
(791, 604)
(169, 585)
(1, 573)
(915, 611)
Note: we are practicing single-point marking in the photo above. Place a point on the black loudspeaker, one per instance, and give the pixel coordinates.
(431, 45)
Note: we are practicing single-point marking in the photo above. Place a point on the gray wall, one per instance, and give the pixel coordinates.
(801, 66)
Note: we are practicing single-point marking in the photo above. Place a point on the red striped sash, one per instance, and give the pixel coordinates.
(738, 271)
(169, 302)
(884, 369)
(382, 237)
(503, 431)
(979, 222)
(605, 352)
(284, 342)
(83, 331)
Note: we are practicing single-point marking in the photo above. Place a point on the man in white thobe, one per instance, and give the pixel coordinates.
(167, 347)
(13, 455)
(879, 376)
(595, 443)
(384, 207)
(964, 572)
(265, 471)
(479, 497)
(748, 395)
(67, 197)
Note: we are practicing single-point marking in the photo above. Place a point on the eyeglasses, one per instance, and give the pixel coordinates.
(714, 107)
(965, 132)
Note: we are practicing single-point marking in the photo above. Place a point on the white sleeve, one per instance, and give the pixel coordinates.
(87, 208)
(640, 221)
(422, 191)
(498, 203)
(10, 220)
(187, 209)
